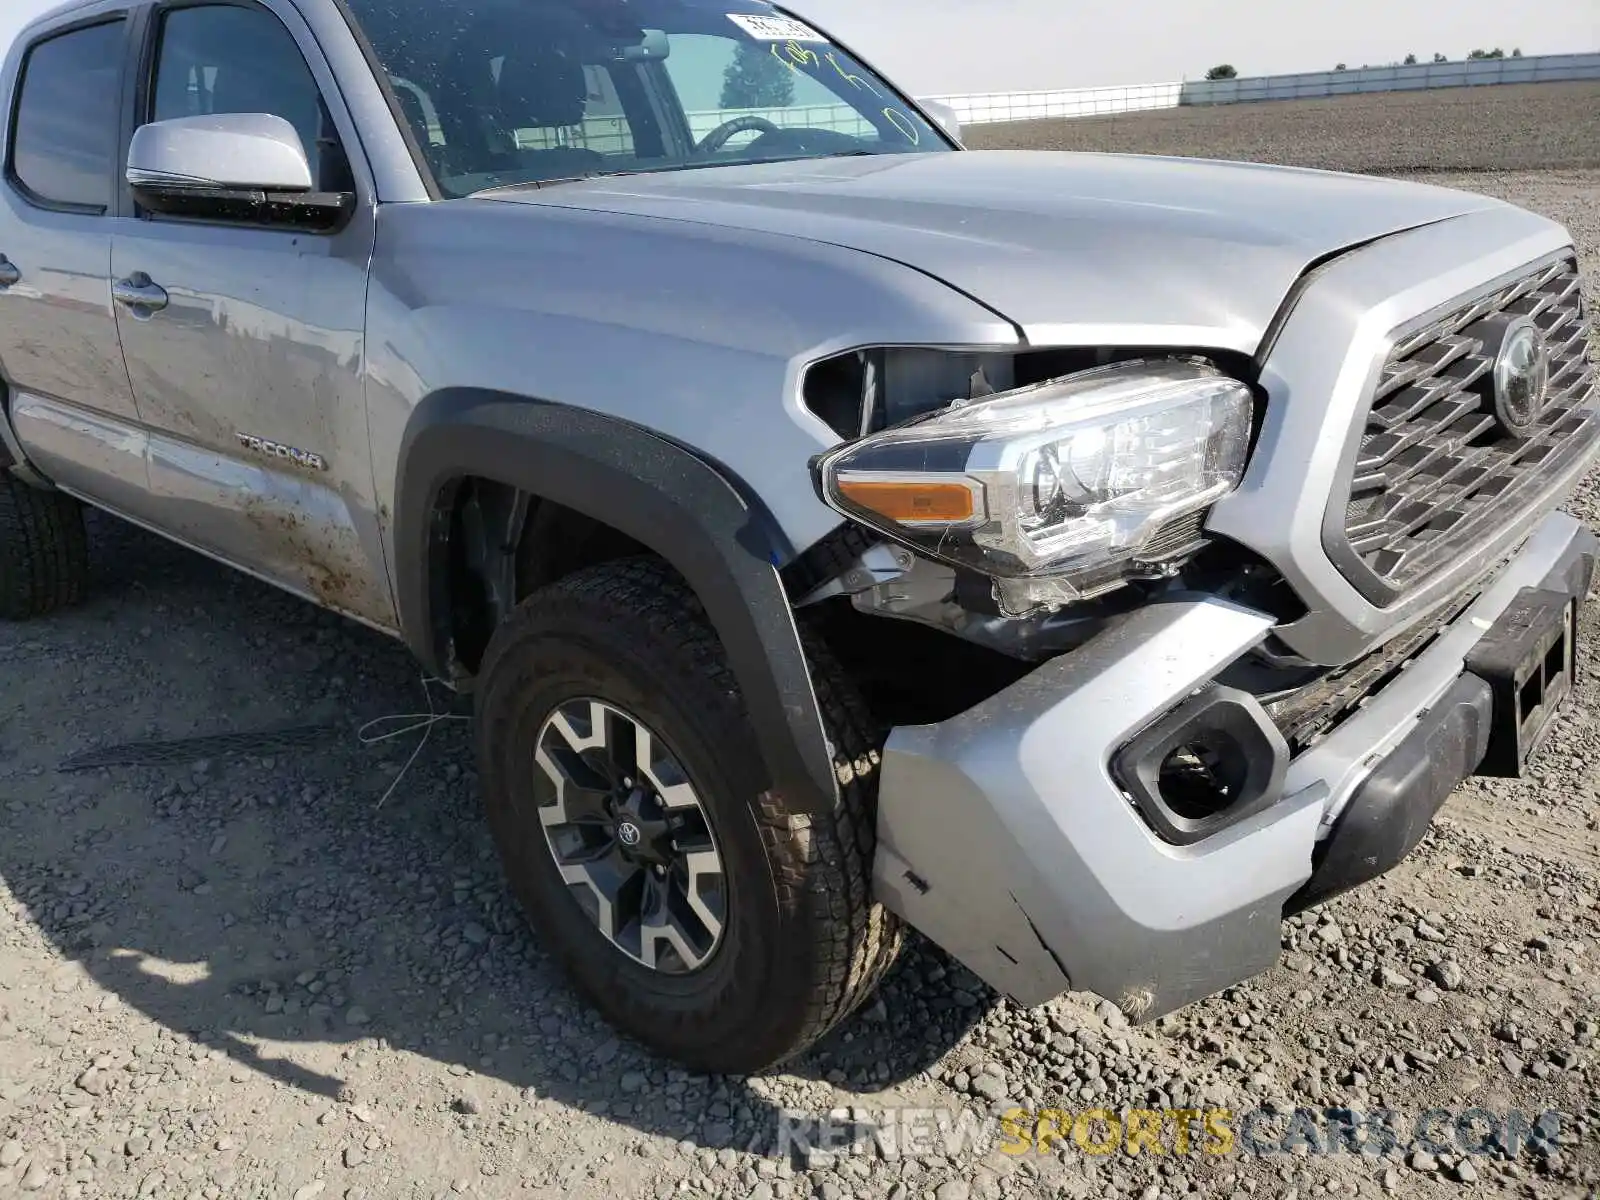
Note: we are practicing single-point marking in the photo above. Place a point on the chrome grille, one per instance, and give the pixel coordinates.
(1436, 471)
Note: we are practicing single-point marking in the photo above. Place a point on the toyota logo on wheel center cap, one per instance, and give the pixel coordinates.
(628, 833)
(1521, 378)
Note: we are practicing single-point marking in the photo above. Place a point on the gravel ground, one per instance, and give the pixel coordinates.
(252, 976)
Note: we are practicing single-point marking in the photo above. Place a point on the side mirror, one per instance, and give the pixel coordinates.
(230, 166)
(945, 116)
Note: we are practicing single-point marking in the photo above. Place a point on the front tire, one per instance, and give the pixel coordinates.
(774, 937)
(44, 550)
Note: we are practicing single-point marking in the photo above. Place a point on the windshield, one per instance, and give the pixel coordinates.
(501, 92)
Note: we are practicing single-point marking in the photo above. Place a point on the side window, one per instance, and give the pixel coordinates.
(227, 58)
(65, 135)
(602, 127)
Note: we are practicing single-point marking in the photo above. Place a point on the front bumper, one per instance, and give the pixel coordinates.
(1004, 837)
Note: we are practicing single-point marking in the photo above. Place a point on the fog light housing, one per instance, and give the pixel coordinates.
(1210, 763)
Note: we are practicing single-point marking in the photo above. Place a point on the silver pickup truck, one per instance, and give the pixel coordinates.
(1085, 560)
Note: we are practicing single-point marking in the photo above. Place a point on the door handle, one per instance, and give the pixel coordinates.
(140, 293)
(10, 273)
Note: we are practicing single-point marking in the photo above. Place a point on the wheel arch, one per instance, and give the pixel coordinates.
(705, 524)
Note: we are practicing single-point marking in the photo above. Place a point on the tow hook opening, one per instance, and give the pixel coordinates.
(1210, 763)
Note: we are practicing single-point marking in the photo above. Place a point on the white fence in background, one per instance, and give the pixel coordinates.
(1088, 102)
(1080, 102)
(1546, 68)
(839, 117)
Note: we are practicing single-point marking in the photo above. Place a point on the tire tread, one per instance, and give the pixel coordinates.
(44, 550)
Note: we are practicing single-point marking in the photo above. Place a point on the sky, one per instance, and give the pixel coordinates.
(951, 46)
(954, 46)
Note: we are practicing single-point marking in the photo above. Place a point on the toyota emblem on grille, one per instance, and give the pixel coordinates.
(1521, 378)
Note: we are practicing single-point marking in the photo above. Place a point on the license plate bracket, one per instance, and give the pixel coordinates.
(1529, 660)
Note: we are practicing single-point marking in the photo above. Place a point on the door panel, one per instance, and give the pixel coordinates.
(59, 352)
(59, 334)
(96, 455)
(295, 530)
(58, 345)
(261, 338)
(249, 377)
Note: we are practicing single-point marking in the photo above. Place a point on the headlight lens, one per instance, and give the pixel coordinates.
(1062, 478)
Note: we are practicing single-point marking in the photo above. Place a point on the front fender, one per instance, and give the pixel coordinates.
(720, 539)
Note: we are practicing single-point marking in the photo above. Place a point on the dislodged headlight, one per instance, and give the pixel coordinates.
(1061, 479)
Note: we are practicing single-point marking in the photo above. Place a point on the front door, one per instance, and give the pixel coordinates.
(244, 342)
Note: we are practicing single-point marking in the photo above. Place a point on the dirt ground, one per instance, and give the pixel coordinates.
(1535, 127)
(251, 976)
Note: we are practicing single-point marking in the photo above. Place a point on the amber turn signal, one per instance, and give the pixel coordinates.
(910, 502)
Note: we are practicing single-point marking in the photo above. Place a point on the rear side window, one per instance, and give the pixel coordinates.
(65, 133)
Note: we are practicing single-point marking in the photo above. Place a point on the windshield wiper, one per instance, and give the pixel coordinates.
(788, 158)
(684, 166)
(544, 183)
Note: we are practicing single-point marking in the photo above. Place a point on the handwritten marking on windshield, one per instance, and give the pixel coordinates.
(854, 81)
(904, 124)
(799, 56)
(794, 56)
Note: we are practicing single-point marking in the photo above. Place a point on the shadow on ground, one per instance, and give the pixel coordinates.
(268, 906)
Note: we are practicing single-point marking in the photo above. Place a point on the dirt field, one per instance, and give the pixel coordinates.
(1532, 128)
(245, 977)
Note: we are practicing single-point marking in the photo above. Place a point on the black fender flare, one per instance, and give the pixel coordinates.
(664, 496)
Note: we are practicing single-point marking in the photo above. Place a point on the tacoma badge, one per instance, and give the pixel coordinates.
(301, 458)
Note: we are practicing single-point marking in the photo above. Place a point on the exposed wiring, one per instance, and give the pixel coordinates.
(369, 736)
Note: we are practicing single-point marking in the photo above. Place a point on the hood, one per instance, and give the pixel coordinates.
(1071, 248)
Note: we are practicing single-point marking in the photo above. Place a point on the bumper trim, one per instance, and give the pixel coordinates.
(1004, 839)
(1392, 810)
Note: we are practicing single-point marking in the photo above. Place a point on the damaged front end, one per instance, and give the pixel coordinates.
(1054, 528)
(1147, 708)
(1023, 501)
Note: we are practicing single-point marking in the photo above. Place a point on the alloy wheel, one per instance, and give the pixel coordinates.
(629, 835)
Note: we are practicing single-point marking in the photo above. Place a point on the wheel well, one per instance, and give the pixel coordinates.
(496, 544)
